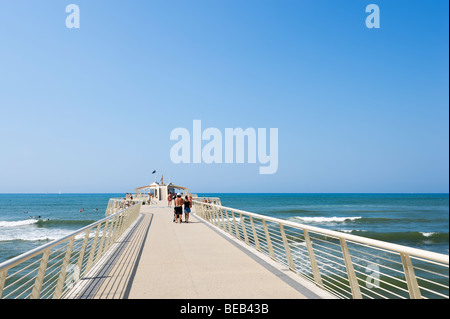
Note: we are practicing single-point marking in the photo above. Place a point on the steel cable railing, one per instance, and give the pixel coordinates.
(51, 270)
(345, 265)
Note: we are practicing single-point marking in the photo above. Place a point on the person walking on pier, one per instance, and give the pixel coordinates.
(169, 199)
(187, 208)
(178, 207)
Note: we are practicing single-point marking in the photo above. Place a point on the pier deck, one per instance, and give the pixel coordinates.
(158, 259)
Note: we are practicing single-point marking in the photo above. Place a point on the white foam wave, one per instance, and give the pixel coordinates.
(427, 234)
(301, 243)
(18, 223)
(351, 230)
(326, 219)
(35, 234)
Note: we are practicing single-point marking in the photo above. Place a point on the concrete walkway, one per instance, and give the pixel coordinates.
(158, 259)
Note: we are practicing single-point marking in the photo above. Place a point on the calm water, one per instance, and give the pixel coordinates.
(416, 220)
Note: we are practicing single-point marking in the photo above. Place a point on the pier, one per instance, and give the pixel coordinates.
(162, 259)
(138, 252)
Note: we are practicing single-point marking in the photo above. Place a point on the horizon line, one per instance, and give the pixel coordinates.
(75, 193)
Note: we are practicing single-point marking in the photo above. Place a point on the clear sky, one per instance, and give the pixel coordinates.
(92, 109)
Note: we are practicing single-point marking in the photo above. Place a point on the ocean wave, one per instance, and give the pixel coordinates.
(350, 230)
(46, 222)
(18, 223)
(412, 236)
(41, 234)
(356, 219)
(389, 220)
(325, 219)
(38, 234)
(324, 209)
(39, 229)
(429, 234)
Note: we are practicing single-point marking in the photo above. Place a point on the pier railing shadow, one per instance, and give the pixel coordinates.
(345, 265)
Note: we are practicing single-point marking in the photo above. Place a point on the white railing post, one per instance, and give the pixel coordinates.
(126, 220)
(223, 219)
(268, 241)
(206, 213)
(255, 235)
(236, 230)
(109, 207)
(203, 211)
(2, 280)
(230, 228)
(123, 224)
(102, 242)
(83, 249)
(36, 292)
(216, 217)
(119, 225)
(93, 249)
(199, 210)
(353, 280)
(115, 228)
(62, 274)
(286, 248)
(110, 238)
(243, 228)
(219, 220)
(312, 259)
(411, 280)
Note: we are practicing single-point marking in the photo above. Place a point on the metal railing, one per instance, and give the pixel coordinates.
(345, 265)
(51, 270)
(117, 204)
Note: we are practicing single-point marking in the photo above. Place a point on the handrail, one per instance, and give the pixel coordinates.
(83, 252)
(347, 265)
(382, 244)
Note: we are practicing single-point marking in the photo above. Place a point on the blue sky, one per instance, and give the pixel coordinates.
(357, 109)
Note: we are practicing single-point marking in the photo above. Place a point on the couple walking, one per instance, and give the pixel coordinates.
(179, 202)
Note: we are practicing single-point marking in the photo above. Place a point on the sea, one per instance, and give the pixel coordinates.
(416, 220)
